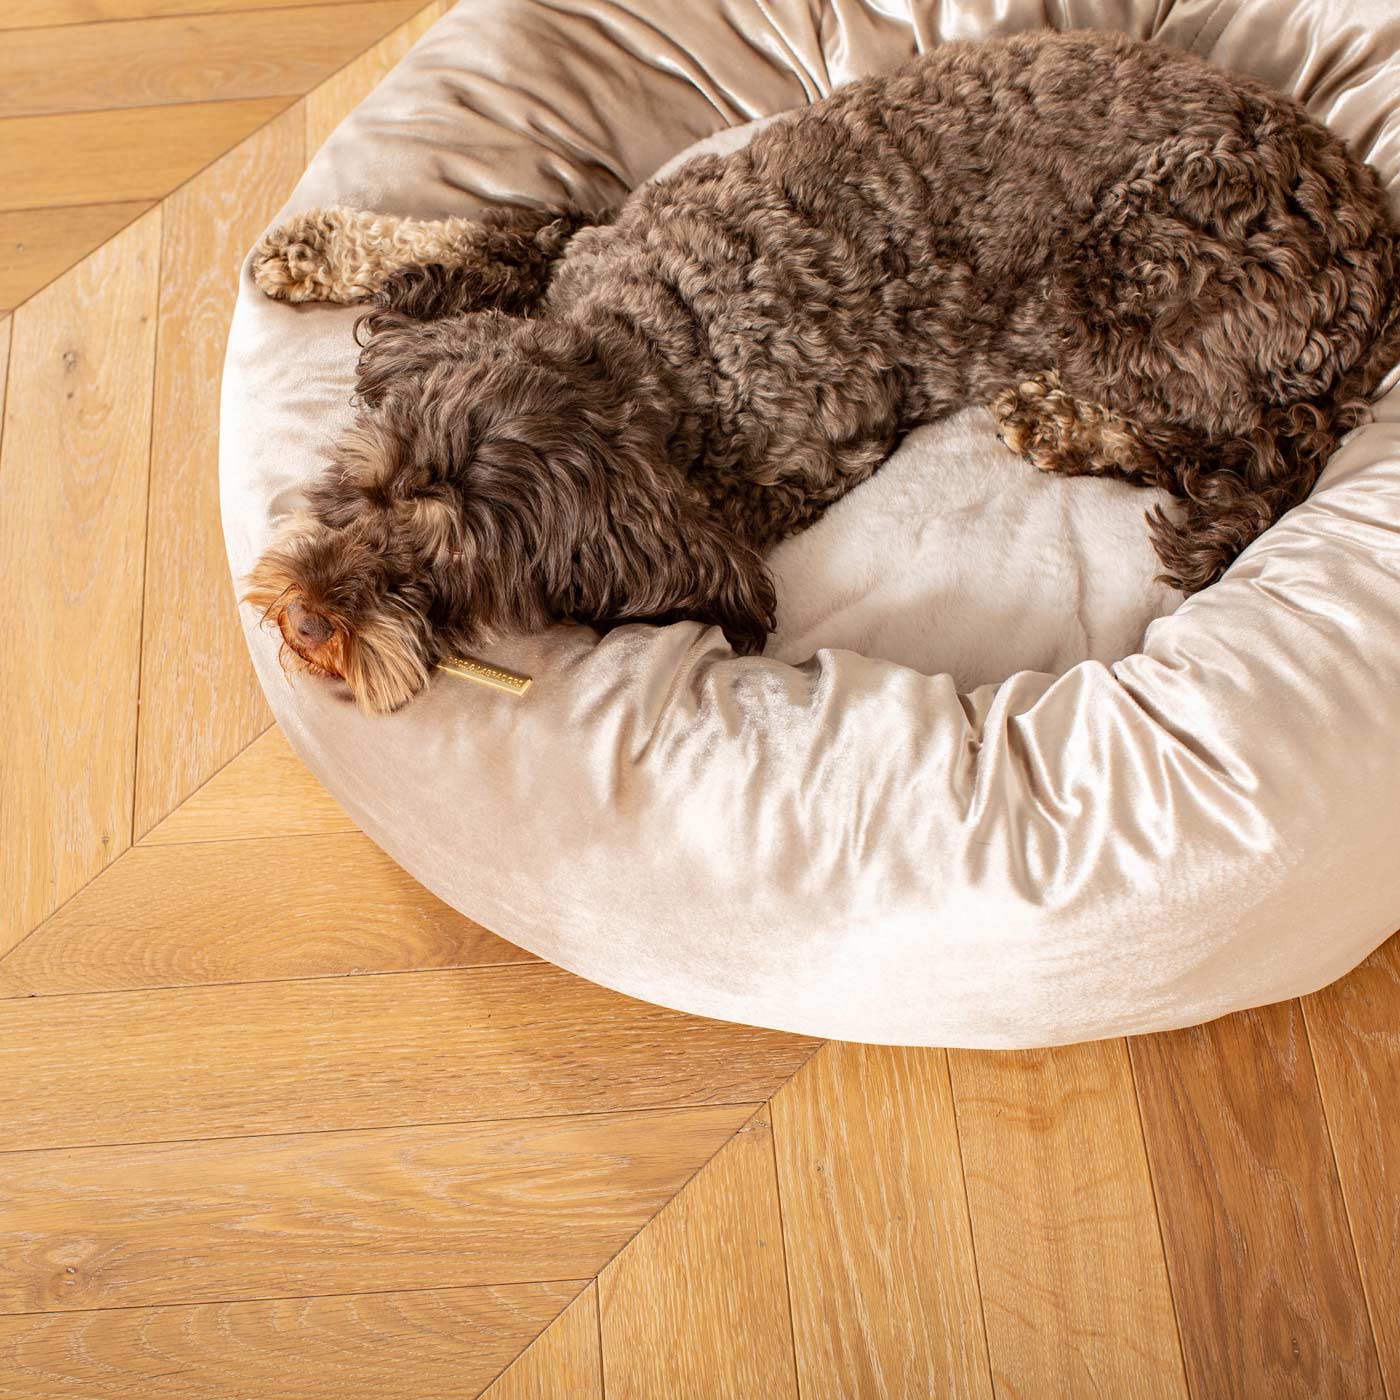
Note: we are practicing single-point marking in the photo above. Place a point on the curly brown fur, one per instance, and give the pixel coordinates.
(1153, 269)
(501, 260)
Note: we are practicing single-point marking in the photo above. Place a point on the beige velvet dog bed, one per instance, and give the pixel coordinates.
(970, 796)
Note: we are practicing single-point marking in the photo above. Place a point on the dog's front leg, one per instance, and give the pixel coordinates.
(346, 255)
(350, 255)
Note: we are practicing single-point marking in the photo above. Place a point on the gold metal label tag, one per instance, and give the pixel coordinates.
(478, 671)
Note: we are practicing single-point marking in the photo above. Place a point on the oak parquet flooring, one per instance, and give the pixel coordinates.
(1262, 1263)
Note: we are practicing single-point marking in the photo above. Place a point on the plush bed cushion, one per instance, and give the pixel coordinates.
(851, 846)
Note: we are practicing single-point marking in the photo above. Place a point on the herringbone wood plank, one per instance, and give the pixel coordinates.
(430, 1344)
(320, 1213)
(265, 790)
(1073, 1284)
(514, 1041)
(246, 911)
(35, 14)
(73, 468)
(697, 1305)
(1354, 1028)
(1262, 1263)
(192, 643)
(866, 1134)
(117, 157)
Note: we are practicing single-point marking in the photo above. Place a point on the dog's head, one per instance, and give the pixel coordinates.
(352, 602)
(498, 479)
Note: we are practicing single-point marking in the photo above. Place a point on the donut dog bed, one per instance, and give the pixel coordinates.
(989, 785)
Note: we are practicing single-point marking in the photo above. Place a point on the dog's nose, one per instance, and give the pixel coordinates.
(312, 628)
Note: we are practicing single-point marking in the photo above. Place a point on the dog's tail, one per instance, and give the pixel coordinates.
(1233, 488)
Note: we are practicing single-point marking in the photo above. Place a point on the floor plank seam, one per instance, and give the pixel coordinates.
(89, 204)
(676, 1106)
(598, 1329)
(521, 1354)
(63, 272)
(783, 1244)
(146, 844)
(971, 1233)
(301, 1297)
(524, 960)
(146, 532)
(7, 326)
(502, 968)
(757, 1109)
(288, 97)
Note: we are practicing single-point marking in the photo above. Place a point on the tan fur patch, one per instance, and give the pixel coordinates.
(345, 255)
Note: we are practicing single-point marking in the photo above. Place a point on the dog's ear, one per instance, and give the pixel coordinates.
(435, 292)
(397, 352)
(393, 349)
(502, 264)
(710, 576)
(645, 550)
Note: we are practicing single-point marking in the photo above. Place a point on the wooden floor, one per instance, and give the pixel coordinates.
(276, 1123)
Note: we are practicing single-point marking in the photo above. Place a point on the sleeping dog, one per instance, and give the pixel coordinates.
(1150, 269)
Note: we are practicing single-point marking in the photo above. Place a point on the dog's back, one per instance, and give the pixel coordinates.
(1175, 244)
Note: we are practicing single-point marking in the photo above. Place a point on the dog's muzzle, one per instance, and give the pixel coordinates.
(309, 628)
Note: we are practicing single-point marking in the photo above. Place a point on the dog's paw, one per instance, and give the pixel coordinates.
(296, 261)
(1058, 433)
(1032, 418)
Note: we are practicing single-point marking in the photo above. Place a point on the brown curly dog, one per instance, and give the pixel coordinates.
(1149, 268)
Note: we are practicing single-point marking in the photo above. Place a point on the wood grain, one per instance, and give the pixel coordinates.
(319, 1213)
(5, 325)
(696, 1306)
(332, 100)
(1074, 1289)
(510, 1041)
(564, 1361)
(265, 790)
(1261, 1262)
(246, 911)
(430, 1344)
(200, 701)
(114, 157)
(879, 1250)
(1354, 1027)
(190, 58)
(34, 14)
(75, 451)
(38, 244)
